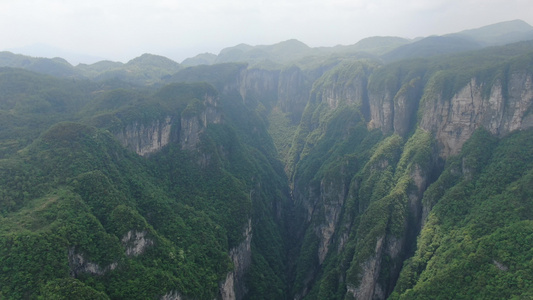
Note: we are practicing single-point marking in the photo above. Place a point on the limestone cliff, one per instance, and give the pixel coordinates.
(259, 85)
(333, 195)
(195, 119)
(392, 106)
(79, 264)
(146, 139)
(293, 92)
(444, 117)
(504, 110)
(345, 84)
(136, 242)
(453, 120)
(234, 287)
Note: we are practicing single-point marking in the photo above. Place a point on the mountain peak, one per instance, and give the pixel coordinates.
(153, 60)
(500, 33)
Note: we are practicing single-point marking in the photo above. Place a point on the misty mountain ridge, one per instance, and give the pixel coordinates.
(291, 50)
(44, 50)
(388, 169)
(499, 33)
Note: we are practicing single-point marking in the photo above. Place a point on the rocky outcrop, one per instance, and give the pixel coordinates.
(136, 242)
(505, 109)
(346, 85)
(259, 85)
(381, 106)
(394, 111)
(78, 264)
(419, 183)
(195, 121)
(454, 120)
(146, 139)
(405, 107)
(191, 127)
(370, 287)
(293, 92)
(233, 287)
(173, 295)
(332, 196)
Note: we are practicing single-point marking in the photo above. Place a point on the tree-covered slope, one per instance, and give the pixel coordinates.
(106, 222)
(316, 175)
(370, 144)
(476, 242)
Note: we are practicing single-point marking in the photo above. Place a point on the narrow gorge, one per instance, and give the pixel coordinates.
(369, 142)
(342, 175)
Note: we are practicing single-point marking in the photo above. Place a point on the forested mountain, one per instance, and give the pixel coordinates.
(387, 169)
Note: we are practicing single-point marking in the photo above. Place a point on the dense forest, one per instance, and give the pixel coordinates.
(388, 169)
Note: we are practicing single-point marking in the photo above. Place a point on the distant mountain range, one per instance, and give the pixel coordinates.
(155, 67)
(389, 48)
(43, 50)
(389, 169)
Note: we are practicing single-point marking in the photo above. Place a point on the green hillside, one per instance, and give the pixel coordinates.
(389, 169)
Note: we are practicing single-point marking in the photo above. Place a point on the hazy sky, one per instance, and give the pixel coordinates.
(123, 29)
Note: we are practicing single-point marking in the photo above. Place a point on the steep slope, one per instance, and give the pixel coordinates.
(476, 239)
(377, 45)
(282, 52)
(372, 140)
(402, 180)
(500, 33)
(201, 218)
(145, 69)
(200, 59)
(431, 46)
(30, 103)
(50, 66)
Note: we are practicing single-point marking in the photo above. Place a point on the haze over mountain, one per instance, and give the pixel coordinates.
(392, 168)
(120, 31)
(387, 48)
(43, 50)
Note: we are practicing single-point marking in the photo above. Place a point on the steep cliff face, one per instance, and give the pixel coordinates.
(344, 85)
(321, 207)
(149, 137)
(368, 287)
(79, 265)
(194, 120)
(332, 197)
(259, 85)
(234, 287)
(381, 111)
(389, 211)
(293, 92)
(146, 139)
(406, 104)
(392, 105)
(372, 209)
(503, 111)
(136, 242)
(322, 179)
(373, 273)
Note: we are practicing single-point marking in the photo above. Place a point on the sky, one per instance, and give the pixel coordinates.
(121, 30)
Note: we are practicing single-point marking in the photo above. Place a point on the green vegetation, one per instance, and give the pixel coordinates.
(282, 132)
(365, 201)
(348, 197)
(76, 205)
(476, 240)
